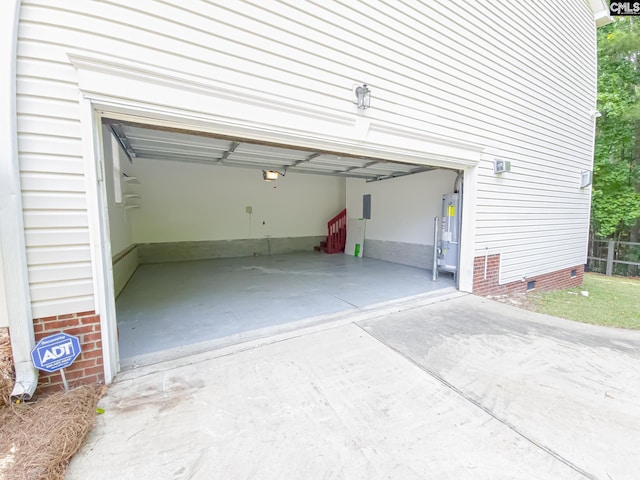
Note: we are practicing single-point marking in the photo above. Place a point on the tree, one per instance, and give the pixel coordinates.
(615, 211)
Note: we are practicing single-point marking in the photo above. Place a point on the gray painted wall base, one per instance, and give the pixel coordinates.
(123, 268)
(184, 251)
(412, 254)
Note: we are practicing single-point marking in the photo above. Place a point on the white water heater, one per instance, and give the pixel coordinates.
(449, 241)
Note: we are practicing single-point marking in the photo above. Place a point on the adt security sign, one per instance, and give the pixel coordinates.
(55, 352)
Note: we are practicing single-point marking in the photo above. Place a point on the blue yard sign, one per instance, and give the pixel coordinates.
(55, 352)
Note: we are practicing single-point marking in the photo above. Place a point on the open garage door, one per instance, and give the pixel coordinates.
(171, 144)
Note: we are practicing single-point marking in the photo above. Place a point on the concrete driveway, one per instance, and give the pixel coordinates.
(464, 388)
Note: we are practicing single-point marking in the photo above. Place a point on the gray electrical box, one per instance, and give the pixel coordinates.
(366, 206)
(449, 241)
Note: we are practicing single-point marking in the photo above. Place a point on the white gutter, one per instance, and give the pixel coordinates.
(12, 242)
(601, 13)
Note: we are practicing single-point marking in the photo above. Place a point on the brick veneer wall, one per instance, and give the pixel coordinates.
(549, 281)
(88, 367)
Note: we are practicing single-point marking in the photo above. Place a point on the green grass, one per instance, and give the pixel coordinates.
(612, 301)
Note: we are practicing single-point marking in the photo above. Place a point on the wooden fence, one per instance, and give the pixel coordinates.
(614, 258)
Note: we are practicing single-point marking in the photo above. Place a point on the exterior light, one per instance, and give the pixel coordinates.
(585, 178)
(363, 96)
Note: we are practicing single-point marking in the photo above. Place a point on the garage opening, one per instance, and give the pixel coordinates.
(217, 240)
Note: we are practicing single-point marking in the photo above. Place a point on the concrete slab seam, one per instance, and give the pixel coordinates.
(459, 392)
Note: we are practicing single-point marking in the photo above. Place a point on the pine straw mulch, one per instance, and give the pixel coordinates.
(6, 369)
(38, 439)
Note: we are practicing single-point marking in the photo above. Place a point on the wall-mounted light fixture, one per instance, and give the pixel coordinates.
(270, 175)
(595, 114)
(363, 96)
(585, 178)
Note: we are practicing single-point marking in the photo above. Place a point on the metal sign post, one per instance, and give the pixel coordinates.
(64, 380)
(56, 352)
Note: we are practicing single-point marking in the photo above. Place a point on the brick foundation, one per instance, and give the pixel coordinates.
(88, 367)
(550, 281)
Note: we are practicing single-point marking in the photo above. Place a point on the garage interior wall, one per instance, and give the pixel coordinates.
(119, 219)
(183, 202)
(401, 226)
(123, 250)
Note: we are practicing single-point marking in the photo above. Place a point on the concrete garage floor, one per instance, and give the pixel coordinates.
(170, 309)
(464, 388)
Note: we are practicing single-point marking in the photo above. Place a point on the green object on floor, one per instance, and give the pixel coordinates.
(356, 252)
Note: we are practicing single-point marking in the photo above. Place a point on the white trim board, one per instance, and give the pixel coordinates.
(189, 103)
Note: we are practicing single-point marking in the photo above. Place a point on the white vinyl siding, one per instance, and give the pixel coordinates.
(536, 216)
(509, 76)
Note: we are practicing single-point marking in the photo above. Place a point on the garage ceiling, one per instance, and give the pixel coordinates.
(160, 143)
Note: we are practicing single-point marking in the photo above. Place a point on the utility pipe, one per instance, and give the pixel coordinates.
(434, 274)
(457, 184)
(459, 189)
(12, 242)
(486, 261)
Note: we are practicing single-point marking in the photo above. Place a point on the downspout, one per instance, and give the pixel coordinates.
(12, 241)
